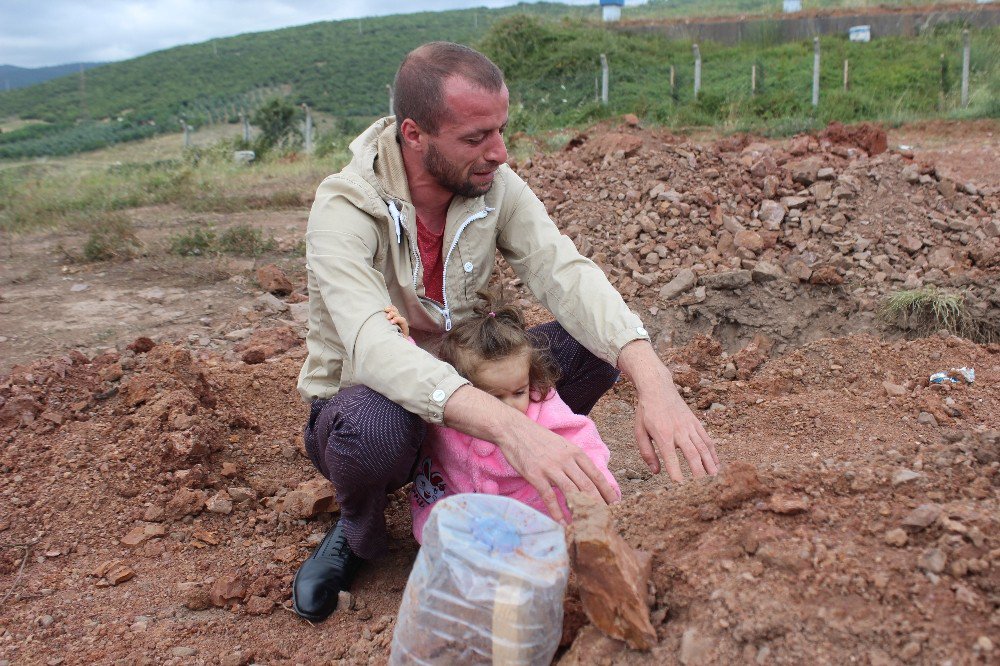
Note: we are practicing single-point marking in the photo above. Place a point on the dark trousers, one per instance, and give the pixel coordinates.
(367, 445)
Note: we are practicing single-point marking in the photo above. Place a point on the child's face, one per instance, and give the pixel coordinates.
(506, 379)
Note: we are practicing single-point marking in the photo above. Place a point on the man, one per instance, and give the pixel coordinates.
(414, 221)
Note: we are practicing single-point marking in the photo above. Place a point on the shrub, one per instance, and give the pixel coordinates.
(193, 243)
(245, 240)
(112, 236)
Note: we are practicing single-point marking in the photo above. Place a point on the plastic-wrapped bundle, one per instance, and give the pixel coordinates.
(487, 586)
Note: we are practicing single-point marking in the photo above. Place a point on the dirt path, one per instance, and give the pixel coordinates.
(160, 499)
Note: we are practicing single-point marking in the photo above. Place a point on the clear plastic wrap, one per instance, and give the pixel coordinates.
(487, 586)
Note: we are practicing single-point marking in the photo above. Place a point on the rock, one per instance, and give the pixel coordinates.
(787, 504)
(195, 596)
(903, 475)
(221, 502)
(941, 258)
(771, 213)
(921, 517)
(141, 533)
(239, 334)
(766, 272)
(826, 173)
(933, 560)
(270, 304)
(797, 268)
(738, 482)
(115, 572)
(694, 649)
(611, 575)
(185, 502)
(825, 275)
(310, 499)
(684, 281)
(141, 345)
(894, 390)
(259, 606)
(227, 589)
(926, 418)
(299, 312)
(791, 203)
(273, 280)
(79, 286)
(183, 651)
(631, 119)
(591, 647)
(896, 537)
(749, 240)
(254, 356)
(726, 281)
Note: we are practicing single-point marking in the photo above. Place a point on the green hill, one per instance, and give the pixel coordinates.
(343, 67)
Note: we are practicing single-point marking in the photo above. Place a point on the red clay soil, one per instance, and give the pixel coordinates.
(151, 502)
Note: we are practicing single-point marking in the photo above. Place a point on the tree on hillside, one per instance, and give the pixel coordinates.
(276, 121)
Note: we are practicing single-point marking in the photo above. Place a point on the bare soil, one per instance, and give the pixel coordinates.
(145, 482)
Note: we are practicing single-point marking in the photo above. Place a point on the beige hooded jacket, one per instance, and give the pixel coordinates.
(361, 256)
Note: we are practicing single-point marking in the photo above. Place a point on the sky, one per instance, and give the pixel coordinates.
(39, 33)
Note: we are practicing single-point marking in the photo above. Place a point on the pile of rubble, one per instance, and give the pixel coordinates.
(663, 216)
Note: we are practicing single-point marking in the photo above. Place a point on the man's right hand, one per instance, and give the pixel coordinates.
(543, 458)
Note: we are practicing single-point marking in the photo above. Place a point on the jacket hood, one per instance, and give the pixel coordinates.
(379, 161)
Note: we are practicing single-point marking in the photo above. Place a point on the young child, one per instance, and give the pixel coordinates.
(495, 352)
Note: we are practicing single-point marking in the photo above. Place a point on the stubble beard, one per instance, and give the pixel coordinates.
(450, 177)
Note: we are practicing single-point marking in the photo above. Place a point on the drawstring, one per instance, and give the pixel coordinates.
(397, 217)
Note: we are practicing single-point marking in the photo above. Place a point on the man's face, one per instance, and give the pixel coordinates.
(469, 145)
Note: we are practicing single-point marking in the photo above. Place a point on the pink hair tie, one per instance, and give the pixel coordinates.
(493, 314)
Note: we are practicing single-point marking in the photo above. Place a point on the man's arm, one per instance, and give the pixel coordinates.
(542, 457)
(663, 421)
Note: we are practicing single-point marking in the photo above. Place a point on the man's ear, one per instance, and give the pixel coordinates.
(413, 136)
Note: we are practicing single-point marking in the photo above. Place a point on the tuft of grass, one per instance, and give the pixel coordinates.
(112, 237)
(195, 242)
(245, 240)
(930, 309)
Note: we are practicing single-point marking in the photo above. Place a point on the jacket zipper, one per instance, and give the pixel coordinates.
(400, 220)
(444, 280)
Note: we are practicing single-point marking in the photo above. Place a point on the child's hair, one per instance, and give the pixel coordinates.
(495, 332)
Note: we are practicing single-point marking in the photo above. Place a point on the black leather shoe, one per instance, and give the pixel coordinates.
(330, 569)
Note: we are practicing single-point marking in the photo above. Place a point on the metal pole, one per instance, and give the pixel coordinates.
(847, 80)
(815, 99)
(966, 49)
(604, 79)
(697, 70)
(392, 104)
(753, 79)
(309, 130)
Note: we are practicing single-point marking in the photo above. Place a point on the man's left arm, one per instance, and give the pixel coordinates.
(663, 421)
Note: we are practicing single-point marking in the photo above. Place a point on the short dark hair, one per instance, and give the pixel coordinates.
(497, 331)
(418, 88)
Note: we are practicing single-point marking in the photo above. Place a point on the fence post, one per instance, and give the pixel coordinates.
(966, 48)
(847, 80)
(753, 79)
(309, 129)
(944, 83)
(392, 102)
(697, 70)
(246, 127)
(187, 133)
(673, 81)
(815, 99)
(604, 79)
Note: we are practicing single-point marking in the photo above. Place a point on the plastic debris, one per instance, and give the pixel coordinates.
(954, 376)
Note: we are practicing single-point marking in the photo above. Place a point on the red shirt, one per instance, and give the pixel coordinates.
(430, 246)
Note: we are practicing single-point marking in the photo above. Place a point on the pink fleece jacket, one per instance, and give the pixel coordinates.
(451, 462)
